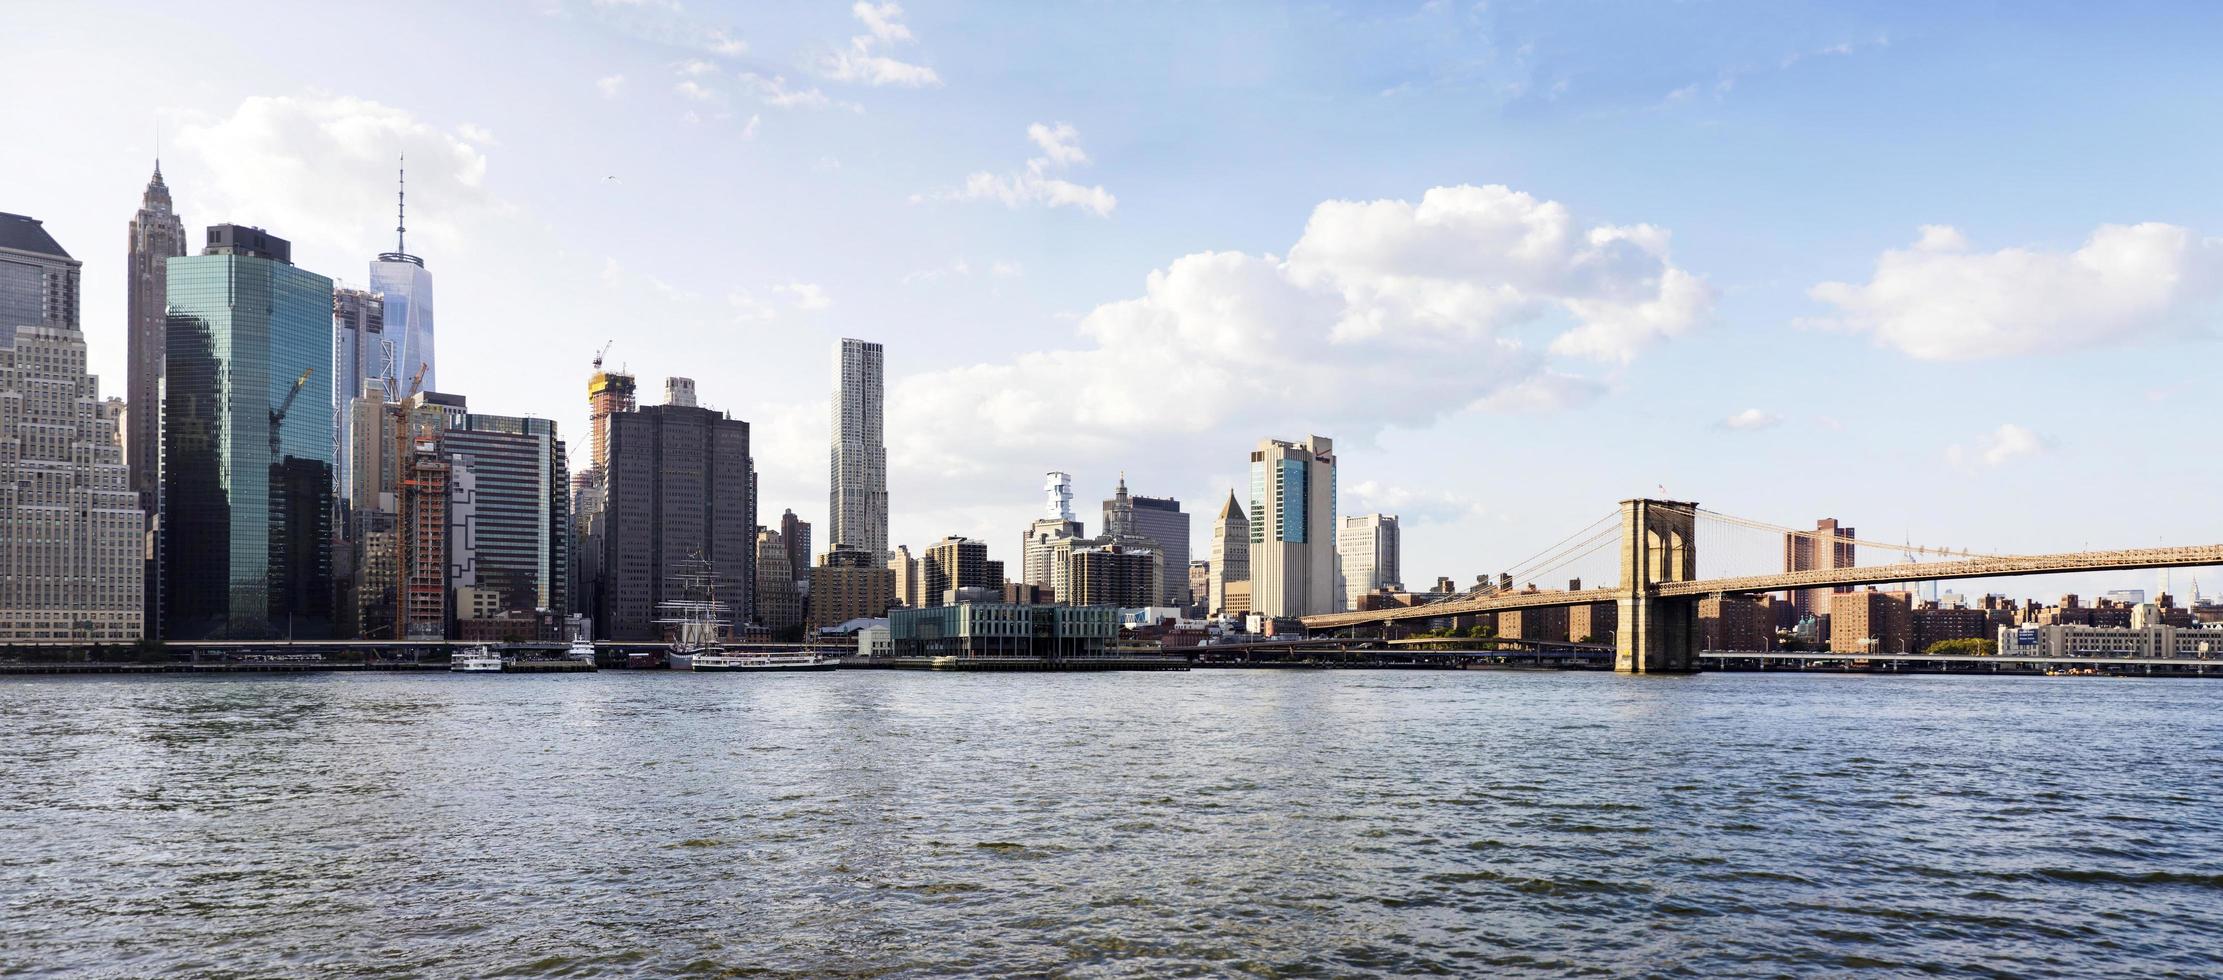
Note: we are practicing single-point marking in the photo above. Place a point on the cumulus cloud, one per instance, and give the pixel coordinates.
(1940, 300)
(610, 85)
(806, 296)
(1061, 147)
(2003, 445)
(314, 169)
(865, 60)
(1752, 420)
(774, 91)
(1385, 313)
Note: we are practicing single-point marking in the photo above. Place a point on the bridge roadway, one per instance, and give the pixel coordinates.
(2077, 561)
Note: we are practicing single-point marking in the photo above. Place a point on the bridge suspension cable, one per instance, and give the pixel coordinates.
(1810, 533)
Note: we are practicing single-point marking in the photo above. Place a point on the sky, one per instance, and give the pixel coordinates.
(1948, 273)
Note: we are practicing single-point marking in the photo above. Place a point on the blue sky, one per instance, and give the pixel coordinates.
(1686, 176)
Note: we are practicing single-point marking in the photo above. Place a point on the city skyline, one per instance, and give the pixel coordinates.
(1076, 282)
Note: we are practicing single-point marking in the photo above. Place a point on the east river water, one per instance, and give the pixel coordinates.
(1209, 823)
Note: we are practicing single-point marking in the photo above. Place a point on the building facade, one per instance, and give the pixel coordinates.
(857, 498)
(156, 236)
(679, 486)
(518, 525)
(778, 605)
(247, 451)
(1368, 547)
(38, 279)
(1160, 520)
(1827, 546)
(360, 354)
(1870, 621)
(849, 583)
(1292, 528)
(2181, 643)
(956, 563)
(71, 531)
(995, 631)
(1112, 575)
(1230, 557)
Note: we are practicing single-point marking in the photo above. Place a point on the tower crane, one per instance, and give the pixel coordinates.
(278, 414)
(598, 354)
(417, 380)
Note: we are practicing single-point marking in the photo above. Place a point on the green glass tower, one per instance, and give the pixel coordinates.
(247, 453)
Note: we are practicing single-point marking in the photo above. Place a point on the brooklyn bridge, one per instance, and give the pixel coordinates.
(1654, 544)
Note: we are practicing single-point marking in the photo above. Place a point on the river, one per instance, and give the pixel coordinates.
(1203, 823)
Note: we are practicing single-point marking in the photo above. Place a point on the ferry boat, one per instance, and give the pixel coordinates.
(762, 661)
(475, 660)
(582, 649)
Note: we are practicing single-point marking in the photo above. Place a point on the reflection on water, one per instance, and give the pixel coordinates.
(1211, 822)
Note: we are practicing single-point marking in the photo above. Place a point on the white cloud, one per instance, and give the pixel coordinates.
(775, 92)
(310, 168)
(748, 309)
(1034, 185)
(806, 296)
(694, 91)
(2005, 444)
(610, 85)
(1937, 300)
(476, 133)
(697, 68)
(717, 41)
(1384, 314)
(1752, 420)
(865, 59)
(1412, 506)
(748, 131)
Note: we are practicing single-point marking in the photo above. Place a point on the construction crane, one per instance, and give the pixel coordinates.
(278, 414)
(598, 354)
(417, 380)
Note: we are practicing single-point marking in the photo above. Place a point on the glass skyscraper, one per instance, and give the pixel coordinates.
(248, 454)
(407, 288)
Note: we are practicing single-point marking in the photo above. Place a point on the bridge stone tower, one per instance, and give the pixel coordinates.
(1658, 544)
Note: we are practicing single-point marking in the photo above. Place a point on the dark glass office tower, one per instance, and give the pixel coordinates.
(247, 454)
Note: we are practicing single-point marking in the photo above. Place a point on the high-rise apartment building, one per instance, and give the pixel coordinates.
(1112, 575)
(401, 279)
(1230, 556)
(956, 563)
(1039, 550)
(857, 499)
(678, 488)
(1292, 528)
(156, 236)
(247, 452)
(1869, 621)
(426, 521)
(1368, 547)
(1827, 546)
(849, 583)
(71, 530)
(905, 572)
(608, 393)
(38, 279)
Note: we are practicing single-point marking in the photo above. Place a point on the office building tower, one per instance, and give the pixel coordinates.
(1156, 524)
(795, 532)
(1292, 528)
(401, 279)
(678, 490)
(38, 279)
(519, 522)
(247, 452)
(1367, 545)
(156, 236)
(679, 391)
(71, 531)
(1200, 580)
(1827, 546)
(1230, 556)
(857, 501)
(360, 362)
(778, 605)
(849, 583)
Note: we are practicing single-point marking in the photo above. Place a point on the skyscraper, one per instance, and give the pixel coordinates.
(360, 353)
(1230, 556)
(956, 563)
(70, 527)
(795, 533)
(1827, 546)
(858, 496)
(156, 236)
(677, 489)
(38, 280)
(521, 521)
(1041, 551)
(778, 606)
(247, 451)
(1160, 520)
(401, 278)
(1368, 546)
(1292, 527)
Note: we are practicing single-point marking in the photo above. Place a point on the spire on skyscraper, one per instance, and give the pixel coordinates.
(401, 203)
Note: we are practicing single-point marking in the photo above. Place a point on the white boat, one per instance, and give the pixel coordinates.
(762, 661)
(475, 660)
(581, 649)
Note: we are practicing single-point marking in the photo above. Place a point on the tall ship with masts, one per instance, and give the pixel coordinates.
(698, 626)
